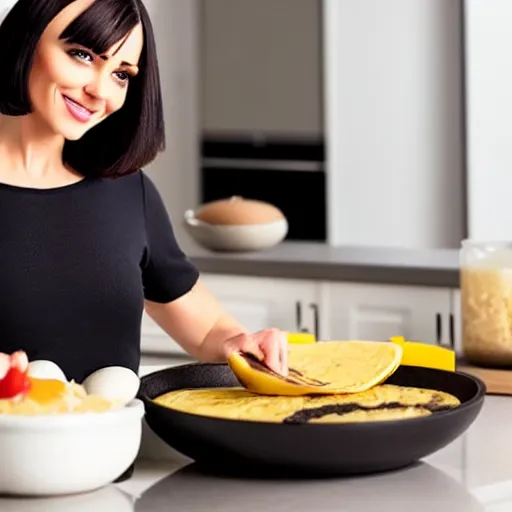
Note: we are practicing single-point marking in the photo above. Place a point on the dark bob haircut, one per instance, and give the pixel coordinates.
(125, 141)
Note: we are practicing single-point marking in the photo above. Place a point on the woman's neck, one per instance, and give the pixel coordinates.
(31, 155)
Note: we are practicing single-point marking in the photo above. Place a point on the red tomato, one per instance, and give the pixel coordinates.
(14, 383)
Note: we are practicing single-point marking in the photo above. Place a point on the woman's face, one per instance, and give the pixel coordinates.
(71, 89)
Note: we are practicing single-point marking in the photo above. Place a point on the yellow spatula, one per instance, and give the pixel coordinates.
(425, 354)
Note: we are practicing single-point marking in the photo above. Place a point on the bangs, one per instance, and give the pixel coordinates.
(102, 25)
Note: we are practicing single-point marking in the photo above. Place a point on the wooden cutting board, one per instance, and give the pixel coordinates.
(498, 382)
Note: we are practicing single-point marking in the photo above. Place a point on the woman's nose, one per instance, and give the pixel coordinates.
(98, 87)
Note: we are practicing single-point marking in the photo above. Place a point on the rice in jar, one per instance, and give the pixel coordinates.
(486, 302)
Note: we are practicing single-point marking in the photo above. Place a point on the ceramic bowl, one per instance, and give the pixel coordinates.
(247, 237)
(57, 454)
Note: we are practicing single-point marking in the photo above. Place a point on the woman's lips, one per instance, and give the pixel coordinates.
(79, 112)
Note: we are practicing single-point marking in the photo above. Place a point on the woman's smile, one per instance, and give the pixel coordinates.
(77, 110)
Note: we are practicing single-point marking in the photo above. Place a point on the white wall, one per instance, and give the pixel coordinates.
(393, 89)
(489, 111)
(176, 171)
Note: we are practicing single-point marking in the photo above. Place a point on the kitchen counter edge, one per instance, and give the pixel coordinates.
(319, 261)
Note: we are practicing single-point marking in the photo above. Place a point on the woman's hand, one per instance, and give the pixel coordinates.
(269, 346)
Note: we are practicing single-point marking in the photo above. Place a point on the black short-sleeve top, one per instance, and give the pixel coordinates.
(77, 262)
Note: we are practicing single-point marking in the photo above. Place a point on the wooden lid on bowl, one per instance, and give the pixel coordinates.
(237, 210)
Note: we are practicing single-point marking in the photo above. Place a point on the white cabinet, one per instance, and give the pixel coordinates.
(398, 126)
(331, 310)
(154, 340)
(260, 302)
(377, 312)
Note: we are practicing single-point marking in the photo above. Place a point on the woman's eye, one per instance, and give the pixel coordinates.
(123, 76)
(82, 55)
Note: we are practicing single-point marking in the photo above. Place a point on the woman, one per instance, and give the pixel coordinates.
(85, 241)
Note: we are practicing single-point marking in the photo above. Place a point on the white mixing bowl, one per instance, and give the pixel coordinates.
(50, 455)
(247, 237)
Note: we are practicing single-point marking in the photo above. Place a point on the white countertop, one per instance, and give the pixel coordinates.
(473, 474)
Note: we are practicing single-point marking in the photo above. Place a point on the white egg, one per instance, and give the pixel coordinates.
(41, 369)
(113, 383)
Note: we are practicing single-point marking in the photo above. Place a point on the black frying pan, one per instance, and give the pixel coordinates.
(312, 449)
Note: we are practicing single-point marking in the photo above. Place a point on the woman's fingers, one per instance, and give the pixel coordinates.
(269, 345)
(274, 345)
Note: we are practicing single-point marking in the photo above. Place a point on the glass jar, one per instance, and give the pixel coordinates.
(486, 302)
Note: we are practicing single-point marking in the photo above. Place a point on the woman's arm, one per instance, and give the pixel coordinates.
(199, 324)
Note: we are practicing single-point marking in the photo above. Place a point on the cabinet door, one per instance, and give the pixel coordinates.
(377, 312)
(261, 303)
(155, 340)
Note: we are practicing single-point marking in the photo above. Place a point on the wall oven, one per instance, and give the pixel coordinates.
(288, 173)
